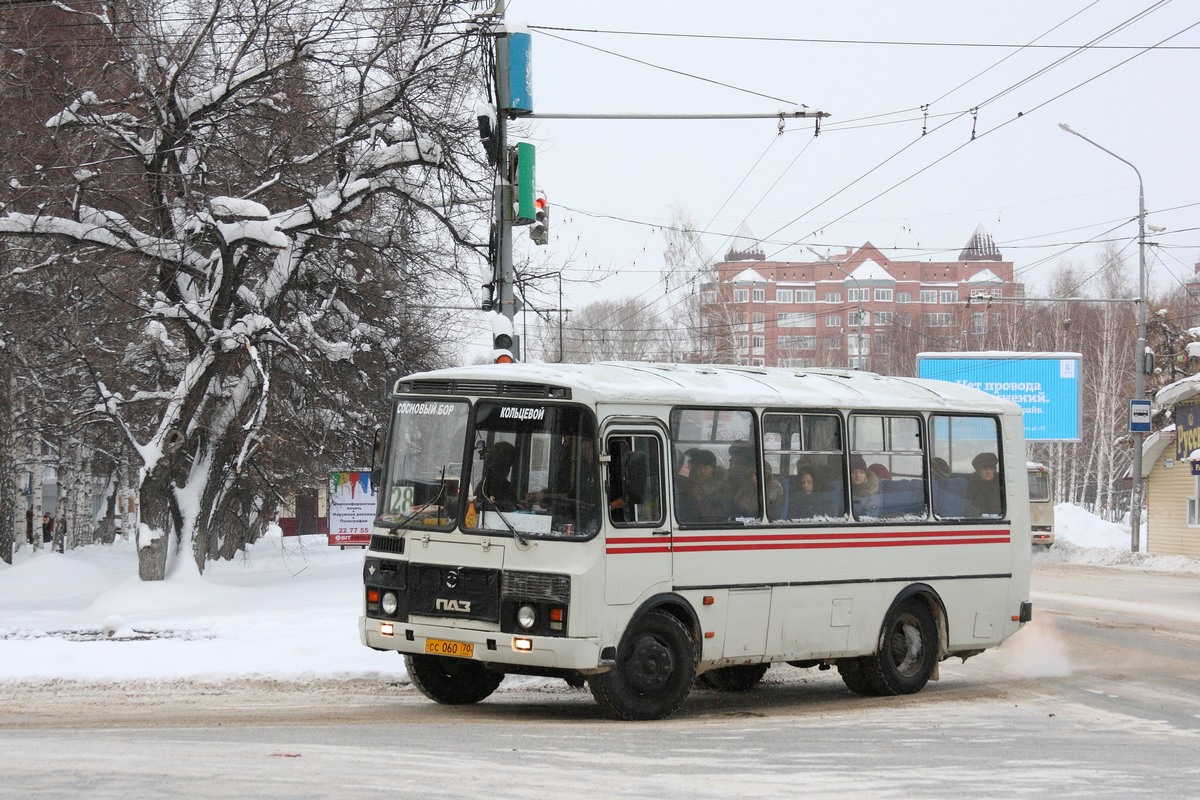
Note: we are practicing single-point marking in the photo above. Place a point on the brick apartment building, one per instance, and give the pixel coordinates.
(858, 309)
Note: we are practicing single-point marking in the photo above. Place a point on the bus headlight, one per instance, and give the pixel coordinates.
(526, 617)
(388, 603)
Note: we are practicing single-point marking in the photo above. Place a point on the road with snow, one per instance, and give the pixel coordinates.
(1098, 697)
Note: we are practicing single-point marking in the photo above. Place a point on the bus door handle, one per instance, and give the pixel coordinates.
(660, 533)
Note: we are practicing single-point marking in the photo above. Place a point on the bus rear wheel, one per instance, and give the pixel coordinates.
(451, 681)
(740, 678)
(654, 671)
(908, 650)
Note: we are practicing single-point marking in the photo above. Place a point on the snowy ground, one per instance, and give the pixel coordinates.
(287, 609)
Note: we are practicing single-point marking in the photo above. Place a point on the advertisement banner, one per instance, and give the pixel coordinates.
(1047, 386)
(351, 507)
(1187, 432)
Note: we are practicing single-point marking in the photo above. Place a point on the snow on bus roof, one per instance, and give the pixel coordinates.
(684, 384)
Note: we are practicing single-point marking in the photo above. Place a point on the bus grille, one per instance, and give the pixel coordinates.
(536, 586)
(532, 391)
(387, 544)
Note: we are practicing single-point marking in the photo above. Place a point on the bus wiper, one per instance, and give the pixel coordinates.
(521, 540)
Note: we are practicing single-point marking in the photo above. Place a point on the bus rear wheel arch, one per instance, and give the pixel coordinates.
(654, 670)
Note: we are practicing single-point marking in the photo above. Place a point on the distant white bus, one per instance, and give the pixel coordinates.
(635, 526)
(1041, 505)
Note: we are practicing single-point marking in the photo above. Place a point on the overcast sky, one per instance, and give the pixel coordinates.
(995, 80)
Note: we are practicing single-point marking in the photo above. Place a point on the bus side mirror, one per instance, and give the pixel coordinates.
(634, 469)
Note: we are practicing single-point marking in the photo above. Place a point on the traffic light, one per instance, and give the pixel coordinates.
(539, 231)
(502, 339)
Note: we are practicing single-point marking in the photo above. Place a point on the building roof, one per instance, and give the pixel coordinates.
(745, 246)
(980, 247)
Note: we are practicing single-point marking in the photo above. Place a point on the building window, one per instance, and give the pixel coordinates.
(833, 321)
(858, 319)
(760, 295)
(929, 295)
(1193, 513)
(758, 342)
(758, 321)
(939, 320)
(743, 342)
(903, 297)
(950, 296)
(797, 343)
(797, 319)
(833, 297)
(708, 298)
(883, 295)
(806, 295)
(783, 295)
(883, 317)
(979, 322)
(833, 342)
(741, 295)
(858, 295)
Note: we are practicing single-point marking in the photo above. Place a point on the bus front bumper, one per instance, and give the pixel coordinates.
(493, 647)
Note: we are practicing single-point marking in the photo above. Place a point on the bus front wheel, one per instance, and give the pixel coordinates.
(654, 671)
(908, 650)
(451, 681)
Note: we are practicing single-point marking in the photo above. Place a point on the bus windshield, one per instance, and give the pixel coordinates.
(534, 471)
(424, 465)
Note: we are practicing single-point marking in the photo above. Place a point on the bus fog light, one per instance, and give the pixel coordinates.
(387, 629)
(526, 616)
(388, 603)
(522, 645)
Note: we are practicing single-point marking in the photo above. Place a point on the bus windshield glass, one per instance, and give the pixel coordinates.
(428, 440)
(534, 471)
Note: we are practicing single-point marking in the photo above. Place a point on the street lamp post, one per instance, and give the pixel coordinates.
(1139, 372)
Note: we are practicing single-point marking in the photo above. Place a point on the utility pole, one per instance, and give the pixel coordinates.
(503, 275)
(1139, 355)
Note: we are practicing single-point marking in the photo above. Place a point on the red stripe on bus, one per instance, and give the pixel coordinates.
(711, 548)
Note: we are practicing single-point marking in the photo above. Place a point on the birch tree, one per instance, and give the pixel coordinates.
(253, 200)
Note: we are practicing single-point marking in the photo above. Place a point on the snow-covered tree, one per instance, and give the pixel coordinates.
(242, 219)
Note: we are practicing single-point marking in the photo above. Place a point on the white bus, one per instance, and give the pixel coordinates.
(1041, 505)
(637, 526)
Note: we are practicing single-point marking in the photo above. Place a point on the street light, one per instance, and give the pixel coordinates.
(1139, 355)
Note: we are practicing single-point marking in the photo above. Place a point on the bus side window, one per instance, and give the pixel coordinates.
(967, 478)
(635, 480)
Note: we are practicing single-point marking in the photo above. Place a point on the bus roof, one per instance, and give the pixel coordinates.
(716, 384)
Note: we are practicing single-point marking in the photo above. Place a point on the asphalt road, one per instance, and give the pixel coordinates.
(1098, 697)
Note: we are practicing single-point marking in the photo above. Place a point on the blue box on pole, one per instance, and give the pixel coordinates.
(520, 73)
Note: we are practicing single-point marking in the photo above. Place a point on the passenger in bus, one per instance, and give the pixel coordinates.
(865, 498)
(494, 489)
(702, 494)
(804, 502)
(742, 481)
(983, 488)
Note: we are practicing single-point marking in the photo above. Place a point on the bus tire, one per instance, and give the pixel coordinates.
(908, 649)
(451, 681)
(654, 671)
(740, 678)
(854, 675)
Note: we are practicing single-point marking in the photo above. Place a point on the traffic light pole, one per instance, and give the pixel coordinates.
(503, 274)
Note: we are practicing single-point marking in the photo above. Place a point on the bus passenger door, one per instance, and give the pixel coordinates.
(638, 535)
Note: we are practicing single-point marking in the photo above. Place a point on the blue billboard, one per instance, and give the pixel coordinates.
(1048, 386)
